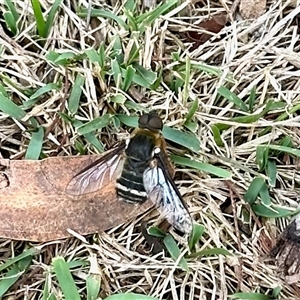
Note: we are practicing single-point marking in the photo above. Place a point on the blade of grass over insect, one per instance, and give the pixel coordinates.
(254, 189)
(184, 161)
(95, 124)
(155, 231)
(35, 146)
(175, 252)
(210, 252)
(76, 94)
(103, 14)
(130, 296)
(65, 279)
(55, 6)
(197, 232)
(10, 108)
(39, 19)
(232, 97)
(249, 296)
(14, 274)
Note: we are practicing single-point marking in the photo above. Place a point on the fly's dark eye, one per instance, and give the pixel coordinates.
(151, 122)
(155, 124)
(143, 121)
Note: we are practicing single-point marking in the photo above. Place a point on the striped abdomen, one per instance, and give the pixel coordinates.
(139, 153)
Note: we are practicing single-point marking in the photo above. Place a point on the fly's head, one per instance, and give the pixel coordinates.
(151, 121)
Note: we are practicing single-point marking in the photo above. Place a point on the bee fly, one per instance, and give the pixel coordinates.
(141, 170)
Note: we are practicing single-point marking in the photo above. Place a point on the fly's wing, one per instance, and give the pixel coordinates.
(163, 192)
(98, 174)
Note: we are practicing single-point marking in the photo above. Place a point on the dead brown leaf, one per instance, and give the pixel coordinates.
(35, 207)
(214, 25)
(252, 9)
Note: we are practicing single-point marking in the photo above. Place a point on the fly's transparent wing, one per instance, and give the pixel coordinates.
(98, 174)
(163, 193)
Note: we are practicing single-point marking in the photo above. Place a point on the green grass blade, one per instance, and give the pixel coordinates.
(149, 17)
(273, 212)
(76, 92)
(192, 110)
(184, 161)
(103, 14)
(148, 75)
(187, 140)
(128, 78)
(197, 232)
(284, 149)
(10, 22)
(10, 108)
(51, 16)
(155, 231)
(35, 146)
(39, 19)
(254, 189)
(65, 279)
(249, 296)
(12, 9)
(14, 274)
(264, 195)
(95, 124)
(232, 97)
(93, 283)
(217, 135)
(272, 172)
(41, 91)
(175, 252)
(90, 137)
(27, 253)
(210, 252)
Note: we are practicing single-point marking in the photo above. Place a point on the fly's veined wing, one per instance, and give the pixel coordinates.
(99, 174)
(163, 193)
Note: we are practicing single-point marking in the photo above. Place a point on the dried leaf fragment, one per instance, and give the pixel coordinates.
(34, 205)
(214, 24)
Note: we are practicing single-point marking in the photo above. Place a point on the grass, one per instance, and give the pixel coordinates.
(230, 107)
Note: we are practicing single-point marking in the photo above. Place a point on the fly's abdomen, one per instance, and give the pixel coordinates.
(130, 185)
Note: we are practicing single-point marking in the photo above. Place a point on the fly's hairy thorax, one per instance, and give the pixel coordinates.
(139, 153)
